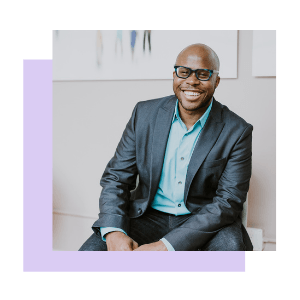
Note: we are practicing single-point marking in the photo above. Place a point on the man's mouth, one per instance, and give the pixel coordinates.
(193, 94)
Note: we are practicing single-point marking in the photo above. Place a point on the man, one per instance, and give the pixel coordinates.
(193, 158)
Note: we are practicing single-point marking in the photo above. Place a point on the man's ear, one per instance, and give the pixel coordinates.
(217, 81)
(174, 74)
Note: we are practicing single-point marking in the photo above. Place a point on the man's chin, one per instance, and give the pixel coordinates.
(193, 106)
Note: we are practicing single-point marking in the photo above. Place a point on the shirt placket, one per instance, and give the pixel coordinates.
(180, 171)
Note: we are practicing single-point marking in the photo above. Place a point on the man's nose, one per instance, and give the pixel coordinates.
(192, 79)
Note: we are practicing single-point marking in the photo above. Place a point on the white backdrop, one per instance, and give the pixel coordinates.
(97, 55)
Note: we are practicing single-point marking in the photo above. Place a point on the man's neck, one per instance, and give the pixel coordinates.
(189, 118)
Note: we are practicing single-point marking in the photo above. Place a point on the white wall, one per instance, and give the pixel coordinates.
(89, 118)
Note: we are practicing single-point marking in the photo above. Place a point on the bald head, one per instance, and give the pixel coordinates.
(200, 52)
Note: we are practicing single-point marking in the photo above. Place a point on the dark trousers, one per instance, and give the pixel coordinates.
(154, 225)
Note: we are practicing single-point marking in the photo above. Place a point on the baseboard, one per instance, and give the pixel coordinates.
(58, 212)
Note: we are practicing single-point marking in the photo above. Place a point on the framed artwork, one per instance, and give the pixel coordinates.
(134, 54)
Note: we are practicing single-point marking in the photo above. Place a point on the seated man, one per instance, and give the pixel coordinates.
(193, 158)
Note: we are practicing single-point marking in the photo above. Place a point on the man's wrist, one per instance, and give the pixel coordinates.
(105, 230)
(112, 234)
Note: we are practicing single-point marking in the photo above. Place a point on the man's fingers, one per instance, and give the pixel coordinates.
(120, 242)
(134, 245)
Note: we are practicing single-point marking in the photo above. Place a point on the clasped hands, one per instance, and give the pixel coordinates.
(119, 241)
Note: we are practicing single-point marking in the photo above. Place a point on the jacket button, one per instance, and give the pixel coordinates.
(139, 211)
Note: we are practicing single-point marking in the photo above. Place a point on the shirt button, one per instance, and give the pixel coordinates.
(182, 158)
(179, 205)
(179, 182)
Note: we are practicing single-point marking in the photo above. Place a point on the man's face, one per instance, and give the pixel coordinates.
(192, 93)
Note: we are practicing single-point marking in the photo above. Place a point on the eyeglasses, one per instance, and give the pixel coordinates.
(201, 74)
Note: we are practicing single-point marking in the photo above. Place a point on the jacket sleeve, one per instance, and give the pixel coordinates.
(118, 179)
(231, 193)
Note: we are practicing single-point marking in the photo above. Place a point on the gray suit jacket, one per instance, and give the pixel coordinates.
(217, 179)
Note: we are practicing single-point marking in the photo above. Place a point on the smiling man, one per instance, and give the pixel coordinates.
(192, 157)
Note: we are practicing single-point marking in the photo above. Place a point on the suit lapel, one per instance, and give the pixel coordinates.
(206, 141)
(159, 143)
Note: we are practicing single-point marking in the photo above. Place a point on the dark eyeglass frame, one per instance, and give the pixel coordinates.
(195, 71)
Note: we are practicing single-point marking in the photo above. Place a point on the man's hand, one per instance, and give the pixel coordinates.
(157, 246)
(119, 241)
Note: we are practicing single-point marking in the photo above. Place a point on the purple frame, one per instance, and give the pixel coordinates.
(38, 254)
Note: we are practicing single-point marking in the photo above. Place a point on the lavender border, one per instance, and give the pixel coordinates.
(38, 254)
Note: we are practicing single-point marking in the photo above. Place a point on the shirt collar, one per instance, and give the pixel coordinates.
(201, 120)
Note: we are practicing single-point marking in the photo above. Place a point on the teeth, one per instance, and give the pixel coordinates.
(191, 93)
